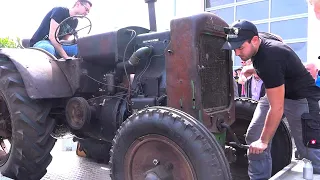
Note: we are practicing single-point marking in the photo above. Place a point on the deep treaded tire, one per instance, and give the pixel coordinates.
(202, 151)
(281, 150)
(31, 141)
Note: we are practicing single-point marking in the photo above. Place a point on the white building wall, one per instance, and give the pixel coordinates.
(185, 8)
(313, 37)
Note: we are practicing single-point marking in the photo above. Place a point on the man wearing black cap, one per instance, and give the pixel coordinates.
(290, 89)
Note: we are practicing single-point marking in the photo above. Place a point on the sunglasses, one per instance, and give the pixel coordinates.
(231, 30)
(236, 30)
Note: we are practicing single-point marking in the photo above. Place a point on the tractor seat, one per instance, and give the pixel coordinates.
(25, 43)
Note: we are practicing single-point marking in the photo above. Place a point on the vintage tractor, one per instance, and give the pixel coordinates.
(163, 99)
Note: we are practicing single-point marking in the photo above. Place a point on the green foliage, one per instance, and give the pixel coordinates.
(9, 43)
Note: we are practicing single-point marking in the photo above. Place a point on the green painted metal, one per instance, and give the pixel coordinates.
(193, 95)
(221, 138)
(200, 116)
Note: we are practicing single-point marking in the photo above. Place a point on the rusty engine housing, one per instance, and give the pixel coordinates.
(199, 79)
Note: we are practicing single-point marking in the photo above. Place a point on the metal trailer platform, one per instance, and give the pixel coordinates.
(294, 171)
(66, 165)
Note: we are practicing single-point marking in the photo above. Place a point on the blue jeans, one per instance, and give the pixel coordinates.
(46, 45)
(260, 165)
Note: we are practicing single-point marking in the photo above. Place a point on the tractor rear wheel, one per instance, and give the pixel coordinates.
(25, 124)
(281, 150)
(162, 142)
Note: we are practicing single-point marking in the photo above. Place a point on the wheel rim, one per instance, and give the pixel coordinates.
(151, 151)
(5, 129)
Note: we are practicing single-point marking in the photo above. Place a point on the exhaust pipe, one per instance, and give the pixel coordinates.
(152, 14)
(135, 57)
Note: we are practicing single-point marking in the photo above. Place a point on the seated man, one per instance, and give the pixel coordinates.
(44, 37)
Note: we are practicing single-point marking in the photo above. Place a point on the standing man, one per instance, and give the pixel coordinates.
(44, 37)
(290, 90)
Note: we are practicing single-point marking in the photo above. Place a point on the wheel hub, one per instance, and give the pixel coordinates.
(152, 176)
(155, 157)
(160, 172)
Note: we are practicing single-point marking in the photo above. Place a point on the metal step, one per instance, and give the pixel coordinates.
(294, 171)
(66, 165)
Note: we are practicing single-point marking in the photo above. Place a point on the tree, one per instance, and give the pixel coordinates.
(9, 43)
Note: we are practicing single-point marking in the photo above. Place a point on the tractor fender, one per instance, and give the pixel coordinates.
(40, 72)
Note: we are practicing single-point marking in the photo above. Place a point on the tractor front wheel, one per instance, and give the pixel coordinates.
(162, 143)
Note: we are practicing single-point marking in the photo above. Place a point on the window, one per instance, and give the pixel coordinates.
(288, 7)
(226, 14)
(290, 29)
(300, 49)
(263, 27)
(253, 11)
(213, 3)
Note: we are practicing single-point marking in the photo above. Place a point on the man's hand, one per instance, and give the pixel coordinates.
(53, 26)
(257, 147)
(248, 70)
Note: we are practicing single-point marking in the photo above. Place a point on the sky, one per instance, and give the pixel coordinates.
(24, 17)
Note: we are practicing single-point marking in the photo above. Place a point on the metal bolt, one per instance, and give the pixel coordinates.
(155, 162)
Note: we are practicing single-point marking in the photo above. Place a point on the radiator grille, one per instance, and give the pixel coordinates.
(214, 72)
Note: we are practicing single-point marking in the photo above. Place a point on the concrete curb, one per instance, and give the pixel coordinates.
(280, 174)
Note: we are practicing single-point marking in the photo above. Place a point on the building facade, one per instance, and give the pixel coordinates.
(289, 19)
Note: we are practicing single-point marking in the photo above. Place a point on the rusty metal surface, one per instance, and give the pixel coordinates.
(40, 73)
(153, 150)
(110, 47)
(99, 48)
(199, 79)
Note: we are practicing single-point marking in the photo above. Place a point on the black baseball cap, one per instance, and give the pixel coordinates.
(239, 32)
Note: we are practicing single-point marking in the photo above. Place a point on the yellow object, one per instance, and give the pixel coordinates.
(79, 152)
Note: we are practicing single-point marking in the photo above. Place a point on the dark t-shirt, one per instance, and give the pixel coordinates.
(277, 64)
(58, 14)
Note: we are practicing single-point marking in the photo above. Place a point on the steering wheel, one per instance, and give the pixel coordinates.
(72, 32)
